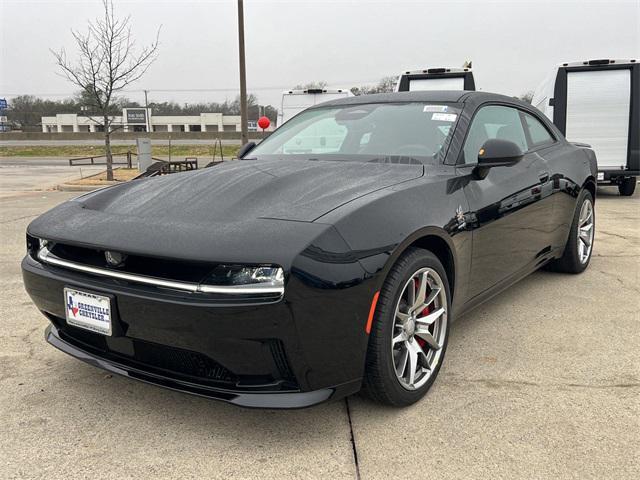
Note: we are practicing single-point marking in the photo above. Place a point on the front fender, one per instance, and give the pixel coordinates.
(380, 227)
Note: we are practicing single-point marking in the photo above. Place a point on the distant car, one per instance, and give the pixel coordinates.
(288, 278)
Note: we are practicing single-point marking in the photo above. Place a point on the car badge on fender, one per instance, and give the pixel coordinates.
(460, 217)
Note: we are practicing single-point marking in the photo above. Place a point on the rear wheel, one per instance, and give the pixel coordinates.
(577, 252)
(410, 331)
(627, 186)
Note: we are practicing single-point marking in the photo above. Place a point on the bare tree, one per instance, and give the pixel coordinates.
(107, 62)
(526, 97)
(385, 85)
(319, 84)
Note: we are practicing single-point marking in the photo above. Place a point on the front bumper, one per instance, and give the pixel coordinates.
(293, 353)
(243, 399)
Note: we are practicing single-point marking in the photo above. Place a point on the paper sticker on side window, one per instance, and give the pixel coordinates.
(435, 108)
(444, 117)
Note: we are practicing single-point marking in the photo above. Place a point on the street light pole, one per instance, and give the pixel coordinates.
(243, 77)
(146, 110)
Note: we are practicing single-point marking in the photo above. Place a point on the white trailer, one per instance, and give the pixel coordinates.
(436, 79)
(597, 102)
(295, 101)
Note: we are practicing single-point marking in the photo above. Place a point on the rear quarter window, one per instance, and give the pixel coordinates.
(538, 134)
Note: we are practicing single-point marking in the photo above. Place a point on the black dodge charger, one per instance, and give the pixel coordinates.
(330, 258)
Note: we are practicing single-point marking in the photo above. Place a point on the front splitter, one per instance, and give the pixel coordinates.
(271, 400)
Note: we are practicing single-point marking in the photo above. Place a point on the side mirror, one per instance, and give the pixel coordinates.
(246, 148)
(497, 153)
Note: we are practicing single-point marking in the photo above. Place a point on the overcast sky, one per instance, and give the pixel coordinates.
(513, 45)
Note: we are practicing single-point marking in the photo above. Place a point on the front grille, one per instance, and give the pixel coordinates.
(185, 271)
(184, 362)
(175, 361)
(166, 278)
(77, 336)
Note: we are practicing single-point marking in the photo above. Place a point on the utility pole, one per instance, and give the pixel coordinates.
(146, 111)
(243, 77)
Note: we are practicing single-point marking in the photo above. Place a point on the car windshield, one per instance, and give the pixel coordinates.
(413, 132)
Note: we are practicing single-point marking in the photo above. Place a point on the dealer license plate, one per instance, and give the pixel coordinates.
(88, 311)
(600, 175)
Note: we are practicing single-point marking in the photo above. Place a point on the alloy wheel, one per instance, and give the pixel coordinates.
(419, 330)
(585, 231)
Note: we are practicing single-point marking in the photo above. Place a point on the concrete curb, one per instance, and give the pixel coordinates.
(68, 187)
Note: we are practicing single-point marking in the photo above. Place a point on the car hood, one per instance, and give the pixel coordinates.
(249, 189)
(258, 211)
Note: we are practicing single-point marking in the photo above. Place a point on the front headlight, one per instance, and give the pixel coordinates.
(249, 279)
(34, 245)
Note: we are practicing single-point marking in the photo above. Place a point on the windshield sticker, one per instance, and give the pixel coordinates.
(435, 108)
(444, 117)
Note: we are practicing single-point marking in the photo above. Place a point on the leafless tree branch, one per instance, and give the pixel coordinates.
(107, 62)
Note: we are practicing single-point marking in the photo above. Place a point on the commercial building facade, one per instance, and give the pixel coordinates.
(142, 120)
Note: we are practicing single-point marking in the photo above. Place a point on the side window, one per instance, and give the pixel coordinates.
(538, 133)
(493, 121)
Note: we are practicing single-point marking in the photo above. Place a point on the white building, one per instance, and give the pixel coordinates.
(135, 120)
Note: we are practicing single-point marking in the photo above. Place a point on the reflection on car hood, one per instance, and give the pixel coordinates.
(246, 190)
(245, 211)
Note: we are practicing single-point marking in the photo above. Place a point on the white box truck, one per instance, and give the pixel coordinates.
(597, 102)
(295, 101)
(436, 79)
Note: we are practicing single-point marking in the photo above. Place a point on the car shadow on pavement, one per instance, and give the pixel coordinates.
(611, 191)
(131, 401)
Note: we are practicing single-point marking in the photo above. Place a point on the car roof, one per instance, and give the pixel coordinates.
(447, 96)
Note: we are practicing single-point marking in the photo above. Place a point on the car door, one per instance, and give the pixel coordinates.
(511, 207)
(560, 161)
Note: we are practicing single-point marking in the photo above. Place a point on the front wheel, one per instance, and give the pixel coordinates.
(410, 331)
(577, 252)
(627, 186)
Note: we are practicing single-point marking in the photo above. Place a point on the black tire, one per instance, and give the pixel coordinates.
(570, 260)
(627, 187)
(380, 381)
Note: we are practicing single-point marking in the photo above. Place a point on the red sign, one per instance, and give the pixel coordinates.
(263, 122)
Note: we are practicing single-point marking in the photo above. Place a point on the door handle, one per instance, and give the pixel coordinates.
(543, 176)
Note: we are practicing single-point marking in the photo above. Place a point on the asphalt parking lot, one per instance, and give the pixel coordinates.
(20, 174)
(541, 382)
